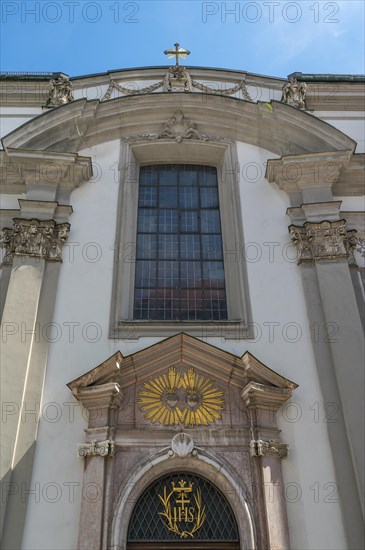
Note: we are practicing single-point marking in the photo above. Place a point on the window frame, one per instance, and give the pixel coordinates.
(221, 155)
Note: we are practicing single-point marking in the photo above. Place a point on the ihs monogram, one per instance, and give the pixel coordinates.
(182, 514)
(181, 398)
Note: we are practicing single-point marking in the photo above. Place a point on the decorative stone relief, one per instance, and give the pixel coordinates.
(323, 241)
(360, 246)
(182, 445)
(130, 91)
(299, 238)
(178, 127)
(59, 91)
(261, 448)
(181, 398)
(177, 79)
(294, 93)
(42, 239)
(6, 243)
(227, 92)
(101, 448)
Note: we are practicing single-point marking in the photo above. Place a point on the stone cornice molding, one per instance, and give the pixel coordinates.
(105, 396)
(45, 172)
(323, 241)
(216, 363)
(262, 402)
(323, 95)
(314, 212)
(96, 448)
(351, 181)
(43, 239)
(264, 397)
(108, 370)
(272, 447)
(297, 173)
(232, 119)
(177, 79)
(43, 210)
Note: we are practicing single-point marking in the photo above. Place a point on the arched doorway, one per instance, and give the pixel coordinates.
(183, 510)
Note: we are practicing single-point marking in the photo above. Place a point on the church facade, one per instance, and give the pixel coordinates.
(182, 300)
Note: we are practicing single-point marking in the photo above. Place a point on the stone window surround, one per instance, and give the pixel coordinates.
(223, 156)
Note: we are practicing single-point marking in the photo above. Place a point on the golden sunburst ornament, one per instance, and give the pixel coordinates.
(188, 398)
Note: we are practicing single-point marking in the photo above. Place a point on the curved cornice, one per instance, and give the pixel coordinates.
(273, 126)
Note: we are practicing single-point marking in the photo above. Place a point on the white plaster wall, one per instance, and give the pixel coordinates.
(89, 91)
(261, 93)
(350, 123)
(352, 204)
(13, 117)
(83, 300)
(277, 297)
(10, 202)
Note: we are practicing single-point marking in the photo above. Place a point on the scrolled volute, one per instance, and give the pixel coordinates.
(101, 448)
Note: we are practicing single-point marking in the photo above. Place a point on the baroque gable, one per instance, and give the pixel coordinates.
(181, 382)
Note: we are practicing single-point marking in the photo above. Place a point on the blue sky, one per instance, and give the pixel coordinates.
(273, 37)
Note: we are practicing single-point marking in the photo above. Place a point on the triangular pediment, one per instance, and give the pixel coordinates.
(181, 351)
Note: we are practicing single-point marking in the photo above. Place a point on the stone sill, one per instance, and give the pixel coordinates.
(226, 330)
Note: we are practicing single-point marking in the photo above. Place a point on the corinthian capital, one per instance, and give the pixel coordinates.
(327, 240)
(41, 239)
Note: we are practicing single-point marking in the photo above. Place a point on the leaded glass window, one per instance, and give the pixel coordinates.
(182, 507)
(179, 257)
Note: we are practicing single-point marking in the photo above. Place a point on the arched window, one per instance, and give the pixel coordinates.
(179, 255)
(183, 510)
(179, 249)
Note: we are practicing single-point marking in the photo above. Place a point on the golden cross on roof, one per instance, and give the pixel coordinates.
(177, 52)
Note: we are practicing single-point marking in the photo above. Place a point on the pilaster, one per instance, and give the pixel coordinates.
(328, 245)
(325, 246)
(33, 238)
(102, 403)
(262, 403)
(32, 260)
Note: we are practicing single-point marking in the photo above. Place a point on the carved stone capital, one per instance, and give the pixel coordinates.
(6, 243)
(327, 240)
(101, 448)
(36, 238)
(360, 245)
(260, 447)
